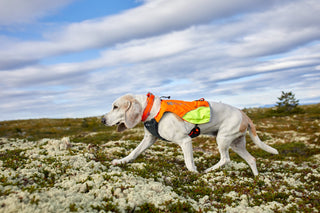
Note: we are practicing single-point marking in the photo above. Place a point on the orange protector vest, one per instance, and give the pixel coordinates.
(181, 108)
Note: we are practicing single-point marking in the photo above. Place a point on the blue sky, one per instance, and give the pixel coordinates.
(72, 58)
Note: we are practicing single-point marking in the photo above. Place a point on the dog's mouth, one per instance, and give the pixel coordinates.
(121, 126)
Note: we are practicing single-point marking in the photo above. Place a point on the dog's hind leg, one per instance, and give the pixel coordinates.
(239, 147)
(223, 146)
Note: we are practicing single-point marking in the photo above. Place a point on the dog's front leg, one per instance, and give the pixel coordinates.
(186, 146)
(147, 141)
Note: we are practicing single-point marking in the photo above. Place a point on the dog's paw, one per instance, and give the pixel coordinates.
(208, 170)
(116, 162)
(195, 171)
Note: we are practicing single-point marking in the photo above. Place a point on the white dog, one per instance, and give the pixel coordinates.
(227, 123)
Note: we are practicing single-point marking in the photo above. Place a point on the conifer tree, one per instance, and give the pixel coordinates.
(287, 103)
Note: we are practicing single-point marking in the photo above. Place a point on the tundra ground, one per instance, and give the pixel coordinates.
(63, 165)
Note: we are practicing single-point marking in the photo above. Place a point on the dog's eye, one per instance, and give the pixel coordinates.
(115, 107)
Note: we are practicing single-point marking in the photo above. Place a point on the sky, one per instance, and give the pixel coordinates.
(73, 58)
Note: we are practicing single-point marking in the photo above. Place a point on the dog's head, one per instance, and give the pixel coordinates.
(126, 113)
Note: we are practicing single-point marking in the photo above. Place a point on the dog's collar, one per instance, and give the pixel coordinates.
(146, 112)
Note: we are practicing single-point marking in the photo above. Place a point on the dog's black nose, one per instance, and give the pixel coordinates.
(103, 120)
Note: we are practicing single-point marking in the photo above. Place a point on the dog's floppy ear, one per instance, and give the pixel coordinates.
(133, 114)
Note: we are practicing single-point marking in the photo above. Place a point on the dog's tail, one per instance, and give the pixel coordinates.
(255, 138)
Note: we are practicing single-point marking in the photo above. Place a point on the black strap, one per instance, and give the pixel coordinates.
(162, 97)
(152, 127)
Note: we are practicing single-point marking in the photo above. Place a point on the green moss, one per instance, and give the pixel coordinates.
(99, 138)
(5, 192)
(13, 158)
(146, 208)
(179, 207)
(297, 151)
(108, 206)
(35, 129)
(34, 200)
(72, 207)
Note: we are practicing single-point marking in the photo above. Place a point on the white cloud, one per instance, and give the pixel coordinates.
(242, 58)
(153, 18)
(279, 29)
(21, 11)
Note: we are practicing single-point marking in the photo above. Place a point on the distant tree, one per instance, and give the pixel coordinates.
(288, 103)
